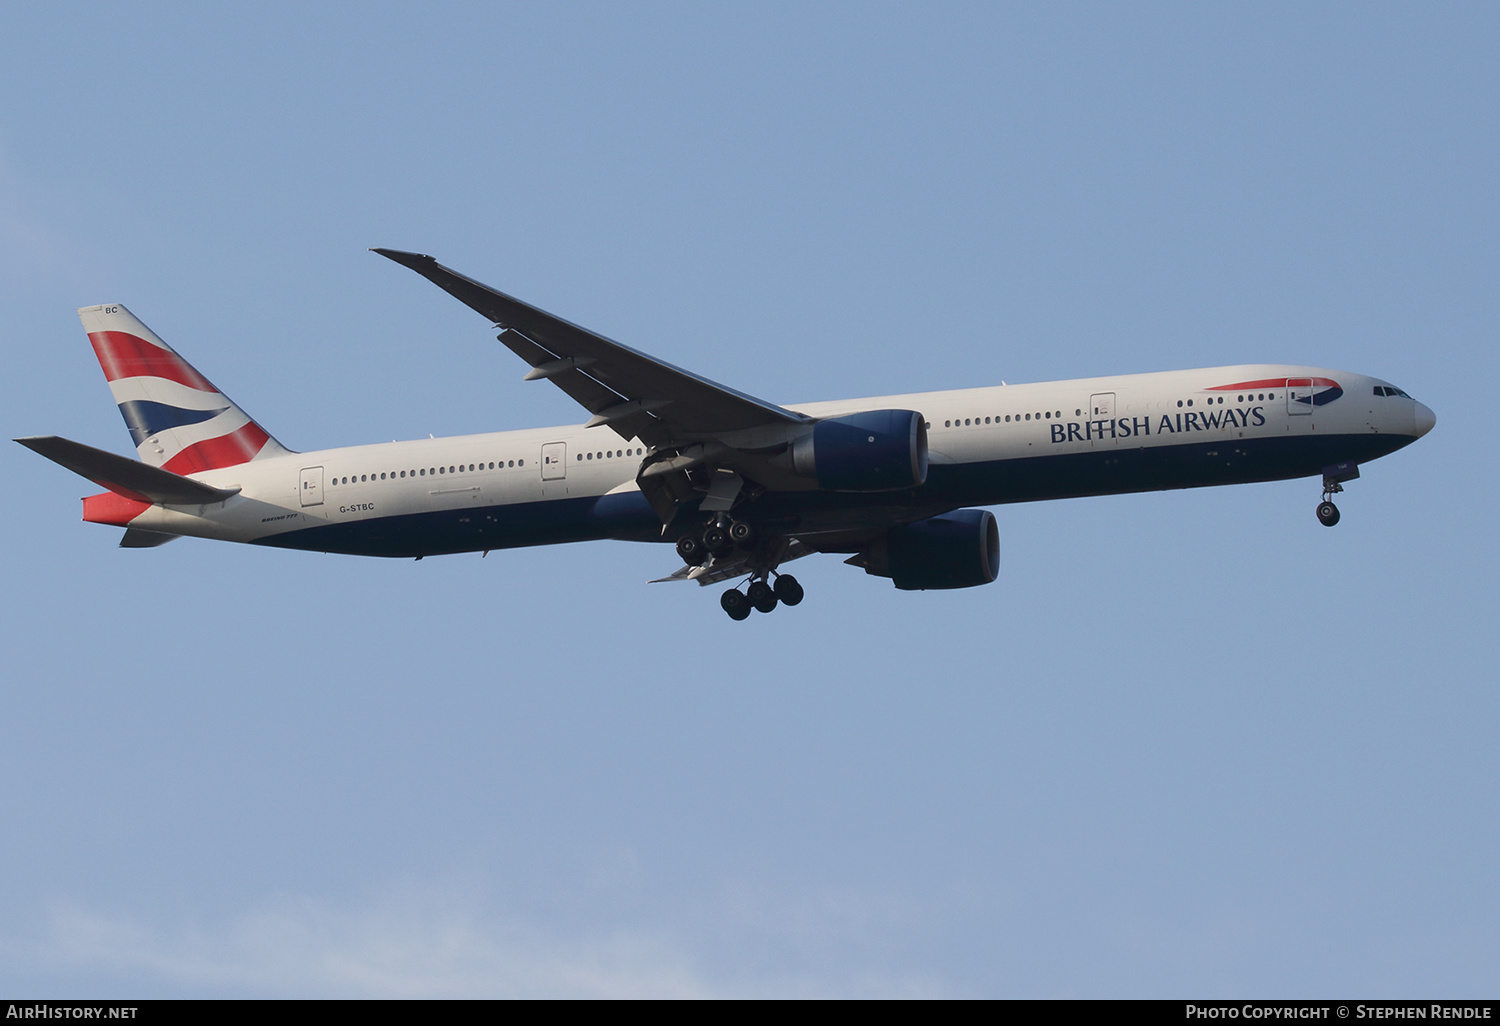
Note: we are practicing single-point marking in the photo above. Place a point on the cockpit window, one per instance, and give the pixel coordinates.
(1390, 390)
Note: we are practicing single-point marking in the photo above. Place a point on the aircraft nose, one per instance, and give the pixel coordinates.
(1425, 418)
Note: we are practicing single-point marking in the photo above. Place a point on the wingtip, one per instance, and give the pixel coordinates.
(401, 256)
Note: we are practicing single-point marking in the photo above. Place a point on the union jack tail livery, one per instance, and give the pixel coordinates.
(177, 419)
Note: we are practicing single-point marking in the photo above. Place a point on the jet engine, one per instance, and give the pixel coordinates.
(878, 451)
(956, 550)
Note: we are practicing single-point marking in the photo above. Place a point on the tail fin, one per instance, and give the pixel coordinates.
(178, 421)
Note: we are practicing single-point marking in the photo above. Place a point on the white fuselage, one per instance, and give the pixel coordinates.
(1081, 431)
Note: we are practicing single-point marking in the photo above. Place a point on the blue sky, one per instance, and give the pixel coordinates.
(1189, 744)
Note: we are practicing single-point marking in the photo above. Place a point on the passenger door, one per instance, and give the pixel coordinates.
(1299, 396)
(554, 461)
(312, 486)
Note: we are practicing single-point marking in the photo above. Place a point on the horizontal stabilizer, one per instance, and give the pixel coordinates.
(135, 538)
(125, 476)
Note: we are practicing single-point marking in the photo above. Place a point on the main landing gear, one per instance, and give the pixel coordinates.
(760, 554)
(717, 539)
(761, 595)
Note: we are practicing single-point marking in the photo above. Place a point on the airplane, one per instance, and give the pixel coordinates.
(739, 485)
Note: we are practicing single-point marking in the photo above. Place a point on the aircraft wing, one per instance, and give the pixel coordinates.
(636, 395)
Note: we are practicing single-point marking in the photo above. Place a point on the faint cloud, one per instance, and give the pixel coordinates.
(419, 945)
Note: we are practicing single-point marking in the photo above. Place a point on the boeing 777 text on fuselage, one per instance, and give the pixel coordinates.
(739, 485)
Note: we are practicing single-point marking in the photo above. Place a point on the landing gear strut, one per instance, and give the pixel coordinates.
(761, 596)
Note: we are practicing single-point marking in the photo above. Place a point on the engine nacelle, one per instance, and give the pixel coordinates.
(956, 550)
(878, 451)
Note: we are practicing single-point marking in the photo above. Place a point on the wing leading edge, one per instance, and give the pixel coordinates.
(635, 395)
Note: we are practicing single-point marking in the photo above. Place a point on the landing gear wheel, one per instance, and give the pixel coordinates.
(735, 604)
(716, 540)
(788, 590)
(691, 550)
(1328, 514)
(761, 596)
(741, 533)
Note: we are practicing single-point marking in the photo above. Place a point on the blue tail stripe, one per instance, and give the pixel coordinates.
(145, 419)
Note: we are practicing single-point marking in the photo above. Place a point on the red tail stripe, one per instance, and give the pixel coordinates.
(225, 451)
(123, 355)
(110, 508)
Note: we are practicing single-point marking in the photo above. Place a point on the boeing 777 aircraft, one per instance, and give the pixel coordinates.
(740, 485)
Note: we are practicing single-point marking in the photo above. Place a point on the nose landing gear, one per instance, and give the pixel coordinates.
(1328, 513)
